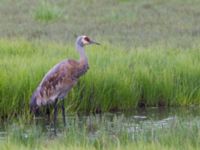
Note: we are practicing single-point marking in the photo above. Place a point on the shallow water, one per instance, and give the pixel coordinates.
(134, 123)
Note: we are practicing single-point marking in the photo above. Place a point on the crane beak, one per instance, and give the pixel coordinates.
(93, 42)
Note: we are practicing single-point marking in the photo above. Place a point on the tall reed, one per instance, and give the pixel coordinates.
(118, 79)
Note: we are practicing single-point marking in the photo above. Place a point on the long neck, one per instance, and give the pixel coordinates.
(83, 57)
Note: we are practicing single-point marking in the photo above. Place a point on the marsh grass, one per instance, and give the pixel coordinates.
(117, 79)
(151, 58)
(131, 23)
(46, 12)
(100, 132)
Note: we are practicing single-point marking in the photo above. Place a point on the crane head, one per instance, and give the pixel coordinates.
(85, 40)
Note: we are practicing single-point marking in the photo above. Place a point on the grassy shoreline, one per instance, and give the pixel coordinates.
(118, 79)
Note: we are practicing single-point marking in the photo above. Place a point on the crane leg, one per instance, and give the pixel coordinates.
(55, 115)
(63, 112)
(48, 113)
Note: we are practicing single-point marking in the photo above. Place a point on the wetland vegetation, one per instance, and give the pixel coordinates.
(174, 129)
(117, 79)
(149, 57)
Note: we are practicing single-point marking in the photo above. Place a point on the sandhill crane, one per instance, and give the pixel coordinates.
(59, 80)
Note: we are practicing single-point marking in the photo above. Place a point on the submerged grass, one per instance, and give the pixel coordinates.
(102, 133)
(117, 79)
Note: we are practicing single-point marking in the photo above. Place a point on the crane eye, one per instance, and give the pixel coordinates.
(87, 39)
